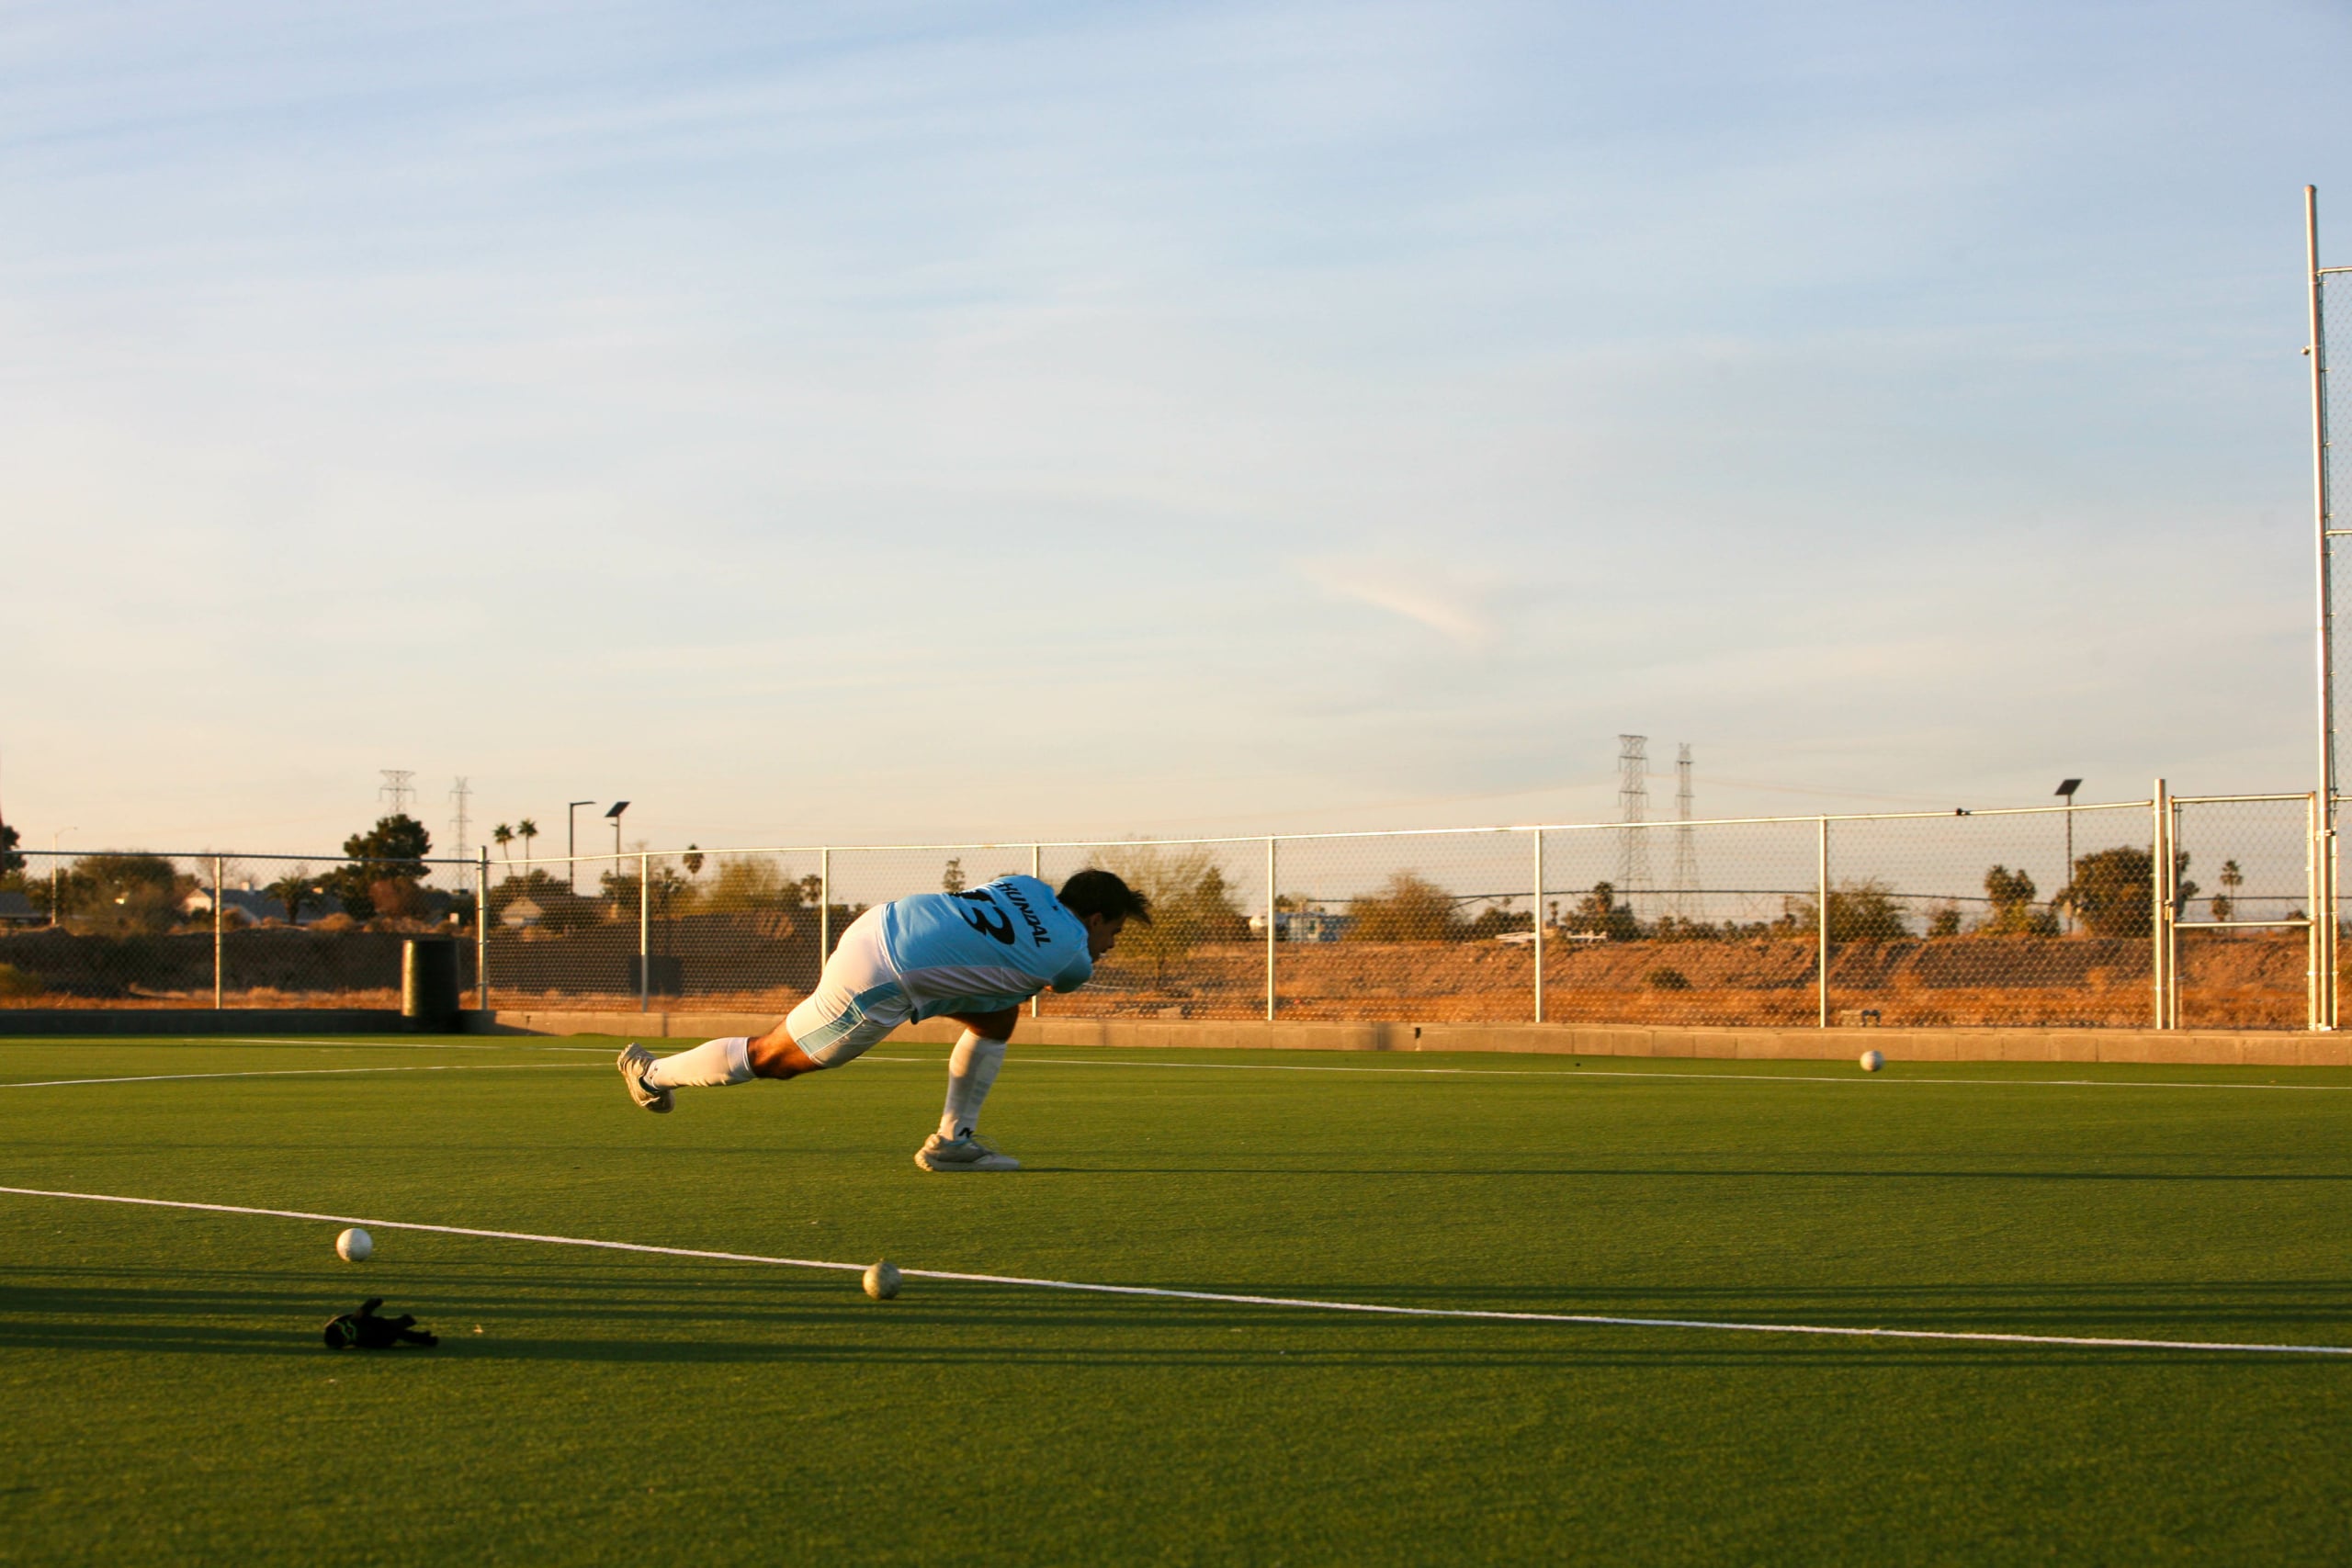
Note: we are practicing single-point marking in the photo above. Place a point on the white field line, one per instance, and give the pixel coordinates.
(1564, 1074)
(178, 1040)
(296, 1073)
(1308, 1304)
(1855, 1079)
(500, 1044)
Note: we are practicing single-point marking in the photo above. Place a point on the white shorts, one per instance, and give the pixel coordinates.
(857, 1001)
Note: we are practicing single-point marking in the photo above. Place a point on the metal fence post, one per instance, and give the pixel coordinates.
(217, 900)
(824, 908)
(2321, 878)
(2324, 915)
(2160, 902)
(2323, 508)
(2311, 1000)
(2173, 913)
(1036, 863)
(644, 933)
(481, 933)
(1270, 930)
(1820, 921)
(1537, 920)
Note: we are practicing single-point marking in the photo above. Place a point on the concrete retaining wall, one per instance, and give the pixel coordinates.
(203, 1020)
(2274, 1048)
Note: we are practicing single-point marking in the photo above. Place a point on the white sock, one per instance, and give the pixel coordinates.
(971, 1069)
(711, 1064)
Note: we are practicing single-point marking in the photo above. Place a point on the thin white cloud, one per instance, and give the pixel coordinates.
(1427, 597)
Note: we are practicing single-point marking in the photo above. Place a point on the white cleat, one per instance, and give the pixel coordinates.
(635, 1060)
(967, 1153)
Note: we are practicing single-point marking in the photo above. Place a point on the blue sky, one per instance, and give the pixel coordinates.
(876, 422)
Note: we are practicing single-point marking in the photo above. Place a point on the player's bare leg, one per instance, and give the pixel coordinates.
(774, 1055)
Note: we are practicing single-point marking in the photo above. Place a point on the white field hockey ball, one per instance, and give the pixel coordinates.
(1872, 1061)
(882, 1280)
(353, 1246)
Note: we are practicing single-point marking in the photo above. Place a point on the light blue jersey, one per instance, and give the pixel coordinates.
(984, 949)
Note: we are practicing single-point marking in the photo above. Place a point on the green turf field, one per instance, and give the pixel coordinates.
(167, 1398)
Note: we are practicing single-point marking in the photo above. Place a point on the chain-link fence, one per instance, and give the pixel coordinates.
(1729, 939)
(2010, 919)
(2241, 937)
(2188, 912)
(138, 928)
(1206, 959)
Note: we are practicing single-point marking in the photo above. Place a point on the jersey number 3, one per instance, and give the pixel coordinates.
(985, 919)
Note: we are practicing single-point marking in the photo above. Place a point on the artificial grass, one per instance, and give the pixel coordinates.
(168, 1398)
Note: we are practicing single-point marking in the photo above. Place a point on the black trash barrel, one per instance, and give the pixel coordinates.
(429, 994)
(664, 974)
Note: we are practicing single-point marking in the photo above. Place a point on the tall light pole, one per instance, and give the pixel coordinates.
(2065, 792)
(2322, 854)
(615, 817)
(572, 844)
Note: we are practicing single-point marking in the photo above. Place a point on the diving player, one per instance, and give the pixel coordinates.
(974, 956)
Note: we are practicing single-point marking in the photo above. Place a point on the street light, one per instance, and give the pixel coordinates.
(572, 844)
(614, 816)
(2065, 792)
(55, 861)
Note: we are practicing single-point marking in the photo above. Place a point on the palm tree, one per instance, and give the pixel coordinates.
(503, 837)
(2231, 879)
(526, 830)
(294, 890)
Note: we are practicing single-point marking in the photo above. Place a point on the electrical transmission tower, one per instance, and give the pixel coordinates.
(1686, 844)
(396, 789)
(1632, 805)
(459, 793)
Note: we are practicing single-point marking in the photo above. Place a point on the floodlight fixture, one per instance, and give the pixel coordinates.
(2066, 788)
(614, 816)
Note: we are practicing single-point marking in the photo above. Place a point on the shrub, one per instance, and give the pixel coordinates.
(745, 883)
(1190, 903)
(2014, 914)
(116, 894)
(1668, 979)
(1495, 920)
(1408, 908)
(1858, 911)
(1600, 913)
(395, 898)
(16, 982)
(390, 853)
(2113, 890)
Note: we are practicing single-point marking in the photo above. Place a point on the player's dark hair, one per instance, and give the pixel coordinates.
(1097, 892)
